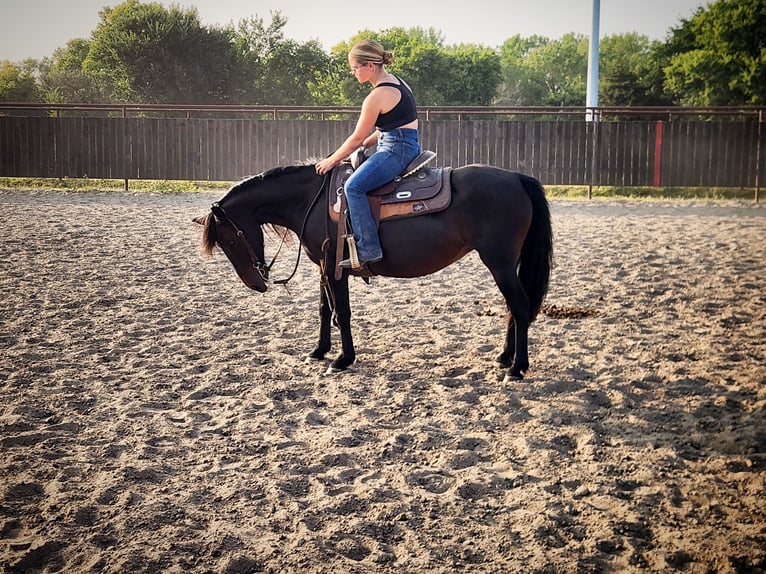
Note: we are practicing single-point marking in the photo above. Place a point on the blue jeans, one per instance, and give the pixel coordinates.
(396, 149)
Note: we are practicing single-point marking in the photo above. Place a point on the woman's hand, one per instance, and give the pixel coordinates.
(325, 165)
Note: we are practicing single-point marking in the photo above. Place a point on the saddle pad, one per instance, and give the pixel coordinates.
(431, 204)
(423, 184)
(435, 197)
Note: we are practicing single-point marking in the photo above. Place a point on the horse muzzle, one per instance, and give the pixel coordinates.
(257, 278)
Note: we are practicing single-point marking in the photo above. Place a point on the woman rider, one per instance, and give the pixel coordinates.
(390, 109)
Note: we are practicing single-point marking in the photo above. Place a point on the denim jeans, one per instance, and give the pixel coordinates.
(396, 149)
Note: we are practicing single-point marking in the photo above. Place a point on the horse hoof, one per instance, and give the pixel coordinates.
(333, 371)
(316, 355)
(509, 377)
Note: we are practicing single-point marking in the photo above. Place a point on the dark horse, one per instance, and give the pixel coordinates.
(504, 216)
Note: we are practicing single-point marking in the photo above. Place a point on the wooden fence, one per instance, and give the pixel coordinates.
(705, 148)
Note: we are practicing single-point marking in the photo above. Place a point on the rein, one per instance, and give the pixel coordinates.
(303, 230)
(257, 264)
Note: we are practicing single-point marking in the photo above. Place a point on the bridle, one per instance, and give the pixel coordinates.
(257, 264)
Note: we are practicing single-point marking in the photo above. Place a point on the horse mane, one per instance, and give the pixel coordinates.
(209, 233)
(244, 184)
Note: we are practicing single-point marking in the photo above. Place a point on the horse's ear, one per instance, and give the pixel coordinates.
(200, 220)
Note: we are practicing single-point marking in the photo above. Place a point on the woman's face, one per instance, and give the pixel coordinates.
(360, 71)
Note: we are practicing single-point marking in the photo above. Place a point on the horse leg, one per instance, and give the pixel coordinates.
(509, 350)
(515, 353)
(325, 321)
(343, 316)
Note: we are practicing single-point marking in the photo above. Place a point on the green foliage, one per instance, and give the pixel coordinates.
(630, 74)
(518, 87)
(17, 84)
(149, 54)
(542, 72)
(719, 55)
(472, 77)
(331, 84)
(271, 69)
(291, 70)
(62, 78)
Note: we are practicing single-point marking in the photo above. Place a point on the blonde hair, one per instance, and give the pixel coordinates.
(371, 52)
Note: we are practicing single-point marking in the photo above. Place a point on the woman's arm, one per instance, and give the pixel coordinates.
(362, 135)
(371, 140)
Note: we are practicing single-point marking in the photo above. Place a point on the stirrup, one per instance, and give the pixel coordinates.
(352, 253)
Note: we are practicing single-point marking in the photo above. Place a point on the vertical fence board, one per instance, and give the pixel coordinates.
(506, 157)
(34, 152)
(749, 137)
(110, 149)
(701, 168)
(7, 149)
(727, 154)
(518, 134)
(564, 154)
(23, 133)
(645, 169)
(252, 147)
(668, 155)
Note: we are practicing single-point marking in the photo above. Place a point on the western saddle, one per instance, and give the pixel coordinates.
(417, 191)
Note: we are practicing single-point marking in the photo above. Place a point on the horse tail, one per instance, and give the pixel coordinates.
(537, 252)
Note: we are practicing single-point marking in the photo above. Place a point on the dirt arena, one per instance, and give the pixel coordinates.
(156, 416)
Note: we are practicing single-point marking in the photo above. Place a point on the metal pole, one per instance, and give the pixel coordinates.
(591, 98)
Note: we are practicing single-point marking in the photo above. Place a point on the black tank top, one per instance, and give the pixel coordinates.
(404, 112)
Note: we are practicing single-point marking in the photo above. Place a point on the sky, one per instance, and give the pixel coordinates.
(35, 28)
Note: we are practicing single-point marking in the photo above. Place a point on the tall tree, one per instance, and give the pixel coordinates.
(272, 69)
(62, 78)
(519, 85)
(562, 68)
(472, 76)
(720, 55)
(149, 54)
(538, 71)
(17, 84)
(630, 72)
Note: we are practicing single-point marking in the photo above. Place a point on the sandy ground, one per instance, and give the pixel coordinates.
(156, 416)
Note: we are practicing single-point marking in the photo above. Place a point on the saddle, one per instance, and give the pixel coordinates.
(418, 191)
